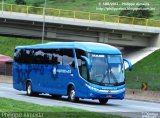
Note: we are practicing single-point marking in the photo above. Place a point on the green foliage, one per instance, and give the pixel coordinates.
(128, 13)
(36, 4)
(7, 44)
(8, 105)
(146, 70)
(20, 2)
(141, 13)
(90, 5)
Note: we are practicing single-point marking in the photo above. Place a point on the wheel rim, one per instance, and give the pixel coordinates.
(72, 95)
(29, 89)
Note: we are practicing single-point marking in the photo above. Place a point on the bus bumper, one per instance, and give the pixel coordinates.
(107, 94)
(96, 95)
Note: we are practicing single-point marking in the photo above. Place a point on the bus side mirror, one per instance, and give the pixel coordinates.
(88, 62)
(129, 64)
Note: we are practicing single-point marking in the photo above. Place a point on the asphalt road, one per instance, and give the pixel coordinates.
(124, 107)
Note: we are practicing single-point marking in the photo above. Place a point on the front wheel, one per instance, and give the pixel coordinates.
(103, 101)
(71, 95)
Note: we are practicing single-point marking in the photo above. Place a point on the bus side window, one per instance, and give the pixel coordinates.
(57, 57)
(17, 55)
(22, 56)
(68, 57)
(47, 56)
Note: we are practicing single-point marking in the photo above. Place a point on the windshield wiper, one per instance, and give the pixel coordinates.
(98, 83)
(114, 78)
(105, 75)
(117, 84)
(95, 82)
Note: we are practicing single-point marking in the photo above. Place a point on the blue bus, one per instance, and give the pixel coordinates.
(74, 69)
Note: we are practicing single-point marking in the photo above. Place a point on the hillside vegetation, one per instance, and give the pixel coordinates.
(90, 5)
(146, 70)
(7, 44)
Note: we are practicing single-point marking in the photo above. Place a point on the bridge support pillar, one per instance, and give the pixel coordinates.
(156, 42)
(103, 37)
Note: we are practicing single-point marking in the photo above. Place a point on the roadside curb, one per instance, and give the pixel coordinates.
(135, 94)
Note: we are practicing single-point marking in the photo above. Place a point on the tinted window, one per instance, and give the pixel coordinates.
(45, 56)
(68, 57)
(38, 56)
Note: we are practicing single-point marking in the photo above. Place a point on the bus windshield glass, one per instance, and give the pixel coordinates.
(107, 69)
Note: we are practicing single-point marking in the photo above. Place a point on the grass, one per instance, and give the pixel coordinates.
(15, 107)
(90, 5)
(7, 44)
(146, 70)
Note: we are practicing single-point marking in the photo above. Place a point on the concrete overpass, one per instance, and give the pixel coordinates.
(65, 29)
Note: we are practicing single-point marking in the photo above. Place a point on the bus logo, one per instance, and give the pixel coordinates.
(54, 71)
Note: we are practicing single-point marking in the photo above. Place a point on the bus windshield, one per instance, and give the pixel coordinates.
(106, 69)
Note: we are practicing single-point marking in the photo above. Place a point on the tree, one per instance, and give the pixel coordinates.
(128, 13)
(20, 2)
(142, 12)
(36, 4)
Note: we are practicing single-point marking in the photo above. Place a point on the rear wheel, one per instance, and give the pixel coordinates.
(103, 101)
(29, 89)
(71, 95)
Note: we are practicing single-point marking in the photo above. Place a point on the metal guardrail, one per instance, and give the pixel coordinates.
(5, 72)
(6, 68)
(80, 15)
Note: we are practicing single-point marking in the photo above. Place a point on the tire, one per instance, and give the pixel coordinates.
(71, 95)
(29, 89)
(103, 101)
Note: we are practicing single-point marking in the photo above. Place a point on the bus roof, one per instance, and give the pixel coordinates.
(86, 46)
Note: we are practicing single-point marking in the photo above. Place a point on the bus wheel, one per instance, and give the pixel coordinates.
(103, 101)
(71, 95)
(29, 89)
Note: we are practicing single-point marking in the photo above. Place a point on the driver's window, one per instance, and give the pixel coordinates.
(82, 68)
(82, 65)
